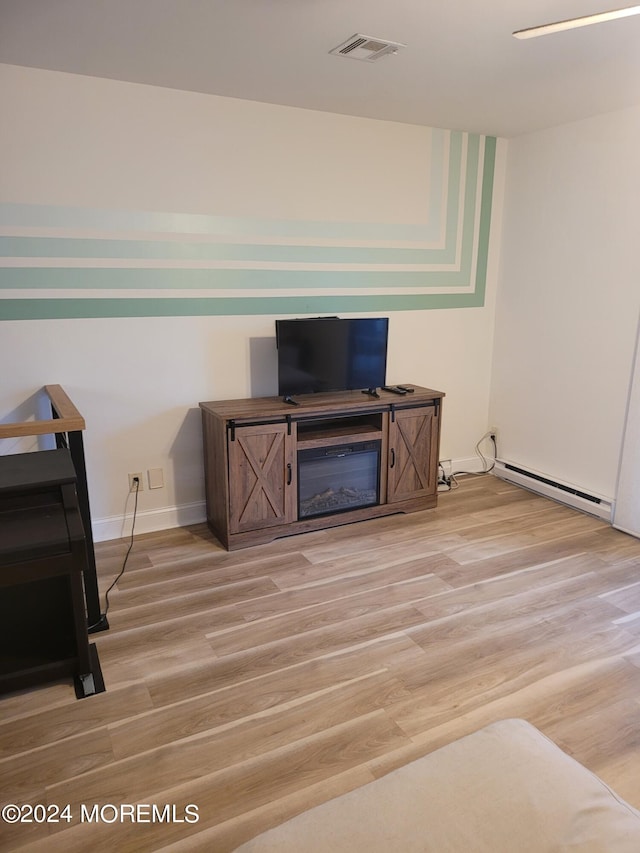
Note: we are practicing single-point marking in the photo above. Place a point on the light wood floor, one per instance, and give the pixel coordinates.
(257, 683)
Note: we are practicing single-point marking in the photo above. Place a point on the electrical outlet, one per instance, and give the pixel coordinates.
(493, 431)
(133, 486)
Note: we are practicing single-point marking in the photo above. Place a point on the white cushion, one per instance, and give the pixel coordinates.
(504, 789)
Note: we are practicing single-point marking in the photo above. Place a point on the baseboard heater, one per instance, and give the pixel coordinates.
(566, 494)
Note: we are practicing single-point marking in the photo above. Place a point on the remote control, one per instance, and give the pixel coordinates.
(394, 389)
(404, 389)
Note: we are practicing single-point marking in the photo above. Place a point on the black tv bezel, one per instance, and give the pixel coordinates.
(289, 392)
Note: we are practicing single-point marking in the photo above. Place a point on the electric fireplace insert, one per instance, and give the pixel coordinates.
(338, 479)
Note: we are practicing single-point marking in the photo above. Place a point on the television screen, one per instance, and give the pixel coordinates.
(331, 354)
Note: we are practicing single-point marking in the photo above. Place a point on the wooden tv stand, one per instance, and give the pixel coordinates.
(253, 449)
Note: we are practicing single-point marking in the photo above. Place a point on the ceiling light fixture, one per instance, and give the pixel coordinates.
(573, 23)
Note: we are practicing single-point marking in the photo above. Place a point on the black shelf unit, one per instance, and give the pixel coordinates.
(43, 558)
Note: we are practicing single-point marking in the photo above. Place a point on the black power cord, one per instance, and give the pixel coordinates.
(103, 617)
(450, 482)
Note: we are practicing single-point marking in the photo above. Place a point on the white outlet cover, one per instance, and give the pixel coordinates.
(156, 478)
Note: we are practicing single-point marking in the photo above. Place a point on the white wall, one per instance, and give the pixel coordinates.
(102, 144)
(569, 296)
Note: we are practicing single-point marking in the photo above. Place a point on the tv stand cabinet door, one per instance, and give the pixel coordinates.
(262, 477)
(413, 454)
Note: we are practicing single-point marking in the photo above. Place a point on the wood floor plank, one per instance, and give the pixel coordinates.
(535, 605)
(608, 740)
(548, 531)
(260, 682)
(630, 622)
(135, 657)
(184, 604)
(219, 568)
(571, 547)
(248, 700)
(20, 835)
(364, 576)
(320, 642)
(401, 561)
(250, 671)
(52, 725)
(506, 666)
(316, 642)
(188, 758)
(22, 775)
(228, 835)
(551, 703)
(158, 593)
(468, 593)
(627, 598)
(122, 643)
(222, 795)
(24, 702)
(423, 526)
(311, 613)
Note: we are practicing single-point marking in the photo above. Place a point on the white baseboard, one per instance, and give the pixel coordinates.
(148, 521)
(472, 465)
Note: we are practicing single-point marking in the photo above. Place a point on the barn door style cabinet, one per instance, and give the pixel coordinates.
(413, 445)
(273, 469)
(261, 465)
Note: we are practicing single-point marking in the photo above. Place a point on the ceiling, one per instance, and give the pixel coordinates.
(461, 68)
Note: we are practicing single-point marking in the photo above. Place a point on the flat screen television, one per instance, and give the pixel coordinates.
(331, 354)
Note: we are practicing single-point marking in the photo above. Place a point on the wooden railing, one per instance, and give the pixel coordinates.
(67, 424)
(66, 418)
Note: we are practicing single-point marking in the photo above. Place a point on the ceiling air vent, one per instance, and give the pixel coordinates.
(366, 48)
